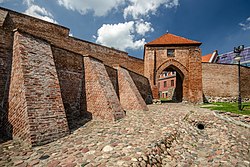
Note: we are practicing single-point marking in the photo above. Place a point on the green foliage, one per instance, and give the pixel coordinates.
(229, 107)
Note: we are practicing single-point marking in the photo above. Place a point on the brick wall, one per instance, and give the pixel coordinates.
(113, 76)
(70, 70)
(219, 80)
(130, 97)
(39, 102)
(143, 86)
(101, 97)
(6, 45)
(245, 81)
(16, 122)
(58, 36)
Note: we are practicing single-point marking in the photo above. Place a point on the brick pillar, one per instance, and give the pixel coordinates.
(195, 76)
(101, 97)
(130, 97)
(36, 110)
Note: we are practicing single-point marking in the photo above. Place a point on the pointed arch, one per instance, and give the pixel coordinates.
(181, 69)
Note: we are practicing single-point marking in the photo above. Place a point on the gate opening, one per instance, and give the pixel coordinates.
(170, 87)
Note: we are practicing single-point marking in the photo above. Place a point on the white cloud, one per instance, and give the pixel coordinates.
(100, 8)
(119, 36)
(143, 27)
(123, 35)
(246, 25)
(139, 8)
(40, 12)
(28, 2)
(2, 1)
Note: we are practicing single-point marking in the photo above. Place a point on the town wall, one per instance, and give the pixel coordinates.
(35, 109)
(59, 36)
(70, 71)
(220, 82)
(245, 82)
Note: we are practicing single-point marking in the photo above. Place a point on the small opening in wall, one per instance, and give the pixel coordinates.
(200, 126)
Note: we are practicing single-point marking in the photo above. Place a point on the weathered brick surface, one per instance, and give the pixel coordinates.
(39, 104)
(70, 71)
(102, 100)
(245, 81)
(187, 62)
(142, 85)
(3, 15)
(113, 76)
(18, 122)
(221, 80)
(58, 36)
(130, 97)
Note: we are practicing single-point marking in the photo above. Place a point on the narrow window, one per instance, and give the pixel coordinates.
(165, 84)
(170, 52)
(172, 82)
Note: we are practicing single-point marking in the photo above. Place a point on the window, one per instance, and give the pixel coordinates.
(170, 52)
(165, 84)
(159, 84)
(172, 82)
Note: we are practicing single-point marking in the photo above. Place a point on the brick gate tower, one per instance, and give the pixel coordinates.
(176, 53)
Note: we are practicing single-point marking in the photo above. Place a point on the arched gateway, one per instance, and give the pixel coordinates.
(171, 52)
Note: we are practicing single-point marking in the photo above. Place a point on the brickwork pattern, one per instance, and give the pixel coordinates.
(221, 80)
(40, 90)
(59, 36)
(101, 97)
(143, 86)
(245, 81)
(70, 71)
(186, 61)
(130, 97)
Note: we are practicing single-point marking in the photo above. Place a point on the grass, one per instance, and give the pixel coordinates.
(228, 107)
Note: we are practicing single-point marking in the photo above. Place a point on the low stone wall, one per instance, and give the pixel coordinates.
(224, 99)
(156, 152)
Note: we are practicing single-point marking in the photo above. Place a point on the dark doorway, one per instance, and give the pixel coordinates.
(170, 85)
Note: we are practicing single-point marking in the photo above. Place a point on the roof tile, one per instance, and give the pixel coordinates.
(171, 39)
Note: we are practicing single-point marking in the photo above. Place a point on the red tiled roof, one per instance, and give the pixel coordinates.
(206, 58)
(171, 39)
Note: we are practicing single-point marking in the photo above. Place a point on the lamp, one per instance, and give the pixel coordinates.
(237, 58)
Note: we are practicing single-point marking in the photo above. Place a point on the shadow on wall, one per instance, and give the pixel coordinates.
(71, 75)
(6, 128)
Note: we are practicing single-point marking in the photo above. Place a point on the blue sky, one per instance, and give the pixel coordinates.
(129, 24)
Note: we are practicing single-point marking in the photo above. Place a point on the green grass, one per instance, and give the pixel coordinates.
(165, 100)
(228, 107)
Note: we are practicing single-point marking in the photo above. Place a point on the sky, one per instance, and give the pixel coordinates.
(129, 24)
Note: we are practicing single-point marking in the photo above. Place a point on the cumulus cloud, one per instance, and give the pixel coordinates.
(143, 27)
(246, 24)
(123, 35)
(40, 12)
(100, 8)
(139, 8)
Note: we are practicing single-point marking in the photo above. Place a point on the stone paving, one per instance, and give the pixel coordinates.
(166, 135)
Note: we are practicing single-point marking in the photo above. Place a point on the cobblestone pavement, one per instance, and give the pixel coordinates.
(166, 135)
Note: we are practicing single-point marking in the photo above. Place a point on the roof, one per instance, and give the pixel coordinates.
(171, 39)
(206, 58)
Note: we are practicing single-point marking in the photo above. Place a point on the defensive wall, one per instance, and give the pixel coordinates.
(49, 79)
(220, 82)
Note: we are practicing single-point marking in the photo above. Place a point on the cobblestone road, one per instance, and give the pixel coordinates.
(166, 135)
